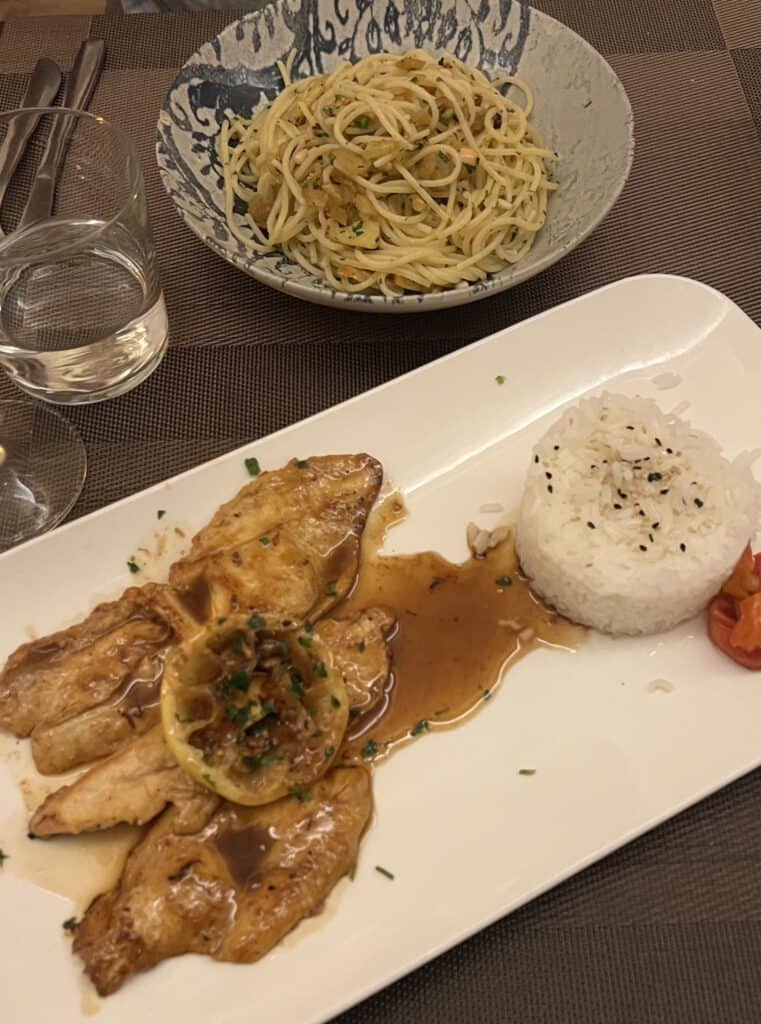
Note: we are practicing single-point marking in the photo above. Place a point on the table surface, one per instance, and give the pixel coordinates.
(668, 930)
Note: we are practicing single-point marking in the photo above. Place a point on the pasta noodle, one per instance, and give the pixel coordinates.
(395, 174)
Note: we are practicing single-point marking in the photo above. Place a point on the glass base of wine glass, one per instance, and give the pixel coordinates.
(42, 469)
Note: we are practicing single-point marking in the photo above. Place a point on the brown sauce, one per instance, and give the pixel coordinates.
(243, 850)
(196, 598)
(459, 627)
(142, 690)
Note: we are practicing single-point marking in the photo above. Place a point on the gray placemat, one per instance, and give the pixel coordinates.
(668, 931)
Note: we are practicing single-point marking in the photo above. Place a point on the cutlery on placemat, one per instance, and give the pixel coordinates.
(41, 91)
(77, 93)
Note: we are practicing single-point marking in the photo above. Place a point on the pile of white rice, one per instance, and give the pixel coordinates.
(631, 520)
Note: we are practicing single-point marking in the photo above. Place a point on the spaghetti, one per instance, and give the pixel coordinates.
(396, 174)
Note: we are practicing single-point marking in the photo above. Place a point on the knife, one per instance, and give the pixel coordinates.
(77, 93)
(41, 91)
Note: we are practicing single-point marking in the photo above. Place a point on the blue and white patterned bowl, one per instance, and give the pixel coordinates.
(581, 111)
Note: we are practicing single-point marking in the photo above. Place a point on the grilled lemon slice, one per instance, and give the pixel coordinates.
(253, 714)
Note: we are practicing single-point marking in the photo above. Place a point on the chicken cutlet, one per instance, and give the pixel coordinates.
(286, 547)
(62, 675)
(233, 888)
(58, 745)
(359, 646)
(136, 783)
(133, 786)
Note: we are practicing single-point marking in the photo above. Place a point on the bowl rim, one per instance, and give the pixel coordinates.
(324, 295)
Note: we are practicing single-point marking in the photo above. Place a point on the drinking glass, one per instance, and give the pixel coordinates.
(82, 315)
(42, 469)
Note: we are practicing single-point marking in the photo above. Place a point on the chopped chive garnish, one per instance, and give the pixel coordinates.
(335, 702)
(257, 622)
(264, 541)
(208, 780)
(370, 749)
(305, 641)
(302, 463)
(329, 751)
(253, 467)
(253, 761)
(422, 726)
(159, 515)
(527, 771)
(504, 581)
(133, 566)
(384, 871)
(320, 670)
(70, 924)
(331, 590)
(500, 379)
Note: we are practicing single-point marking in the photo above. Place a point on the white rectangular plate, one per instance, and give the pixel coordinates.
(467, 837)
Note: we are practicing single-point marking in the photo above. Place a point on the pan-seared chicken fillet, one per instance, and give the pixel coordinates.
(231, 889)
(285, 547)
(133, 786)
(359, 648)
(62, 675)
(59, 745)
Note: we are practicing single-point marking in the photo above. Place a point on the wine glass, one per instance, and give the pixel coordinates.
(42, 469)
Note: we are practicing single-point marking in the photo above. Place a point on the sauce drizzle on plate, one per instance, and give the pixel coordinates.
(459, 627)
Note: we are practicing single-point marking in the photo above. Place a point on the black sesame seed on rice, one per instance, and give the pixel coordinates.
(643, 547)
(652, 538)
(656, 525)
(698, 502)
(591, 525)
(549, 488)
(670, 451)
(658, 442)
(556, 448)
(652, 477)
(548, 475)
(682, 547)
(616, 505)
(622, 496)
(536, 458)
(630, 428)
(665, 490)
(642, 512)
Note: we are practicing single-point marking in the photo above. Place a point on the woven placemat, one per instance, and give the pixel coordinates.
(668, 931)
